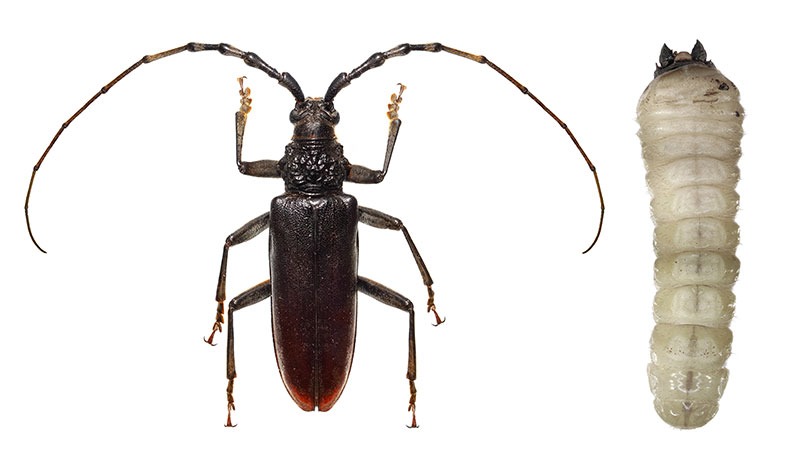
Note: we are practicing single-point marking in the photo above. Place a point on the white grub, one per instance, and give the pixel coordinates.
(691, 128)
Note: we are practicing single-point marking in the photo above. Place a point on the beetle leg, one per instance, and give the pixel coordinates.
(364, 175)
(245, 233)
(389, 297)
(261, 168)
(231, 406)
(378, 219)
(247, 298)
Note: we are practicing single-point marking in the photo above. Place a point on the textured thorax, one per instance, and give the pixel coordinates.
(314, 166)
(314, 162)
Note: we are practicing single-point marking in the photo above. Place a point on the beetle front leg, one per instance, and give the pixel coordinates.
(247, 298)
(364, 175)
(245, 233)
(261, 168)
(389, 297)
(378, 219)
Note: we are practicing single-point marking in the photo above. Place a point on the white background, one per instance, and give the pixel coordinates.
(542, 359)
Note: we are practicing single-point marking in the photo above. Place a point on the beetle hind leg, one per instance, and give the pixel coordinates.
(391, 298)
(247, 298)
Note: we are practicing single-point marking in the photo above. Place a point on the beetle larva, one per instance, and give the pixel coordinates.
(690, 127)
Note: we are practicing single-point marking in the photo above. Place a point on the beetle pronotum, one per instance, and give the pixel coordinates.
(312, 227)
(691, 127)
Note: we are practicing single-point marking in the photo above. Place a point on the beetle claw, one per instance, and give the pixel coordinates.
(210, 338)
(228, 424)
(432, 308)
(413, 409)
(217, 327)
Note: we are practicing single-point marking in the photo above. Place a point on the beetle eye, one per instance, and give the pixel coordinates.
(334, 116)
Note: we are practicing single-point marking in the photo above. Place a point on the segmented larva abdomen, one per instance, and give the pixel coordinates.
(691, 128)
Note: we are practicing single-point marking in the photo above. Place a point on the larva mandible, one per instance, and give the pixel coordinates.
(691, 126)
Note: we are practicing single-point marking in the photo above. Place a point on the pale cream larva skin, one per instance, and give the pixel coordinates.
(691, 128)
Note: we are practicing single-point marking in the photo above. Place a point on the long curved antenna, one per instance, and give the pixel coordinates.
(249, 58)
(378, 59)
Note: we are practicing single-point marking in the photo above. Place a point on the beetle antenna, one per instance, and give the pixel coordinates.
(379, 58)
(249, 58)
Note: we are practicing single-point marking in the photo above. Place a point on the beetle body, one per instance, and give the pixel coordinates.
(313, 257)
(314, 272)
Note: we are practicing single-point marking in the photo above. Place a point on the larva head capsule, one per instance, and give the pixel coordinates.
(671, 60)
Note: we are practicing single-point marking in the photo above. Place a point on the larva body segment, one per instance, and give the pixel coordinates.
(691, 128)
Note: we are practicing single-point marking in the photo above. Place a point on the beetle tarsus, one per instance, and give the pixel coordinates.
(394, 106)
(412, 402)
(413, 409)
(217, 324)
(228, 424)
(231, 406)
(245, 94)
(217, 327)
(432, 308)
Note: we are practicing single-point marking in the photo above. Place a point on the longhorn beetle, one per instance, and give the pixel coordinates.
(313, 249)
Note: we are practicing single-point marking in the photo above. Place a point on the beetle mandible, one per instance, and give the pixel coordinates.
(313, 249)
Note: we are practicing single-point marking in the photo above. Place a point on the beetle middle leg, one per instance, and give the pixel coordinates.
(247, 298)
(389, 297)
(243, 234)
(378, 219)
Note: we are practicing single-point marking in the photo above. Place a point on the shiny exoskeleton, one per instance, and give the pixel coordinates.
(313, 253)
(314, 243)
(313, 238)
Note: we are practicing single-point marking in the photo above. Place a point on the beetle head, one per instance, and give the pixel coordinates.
(314, 119)
(671, 60)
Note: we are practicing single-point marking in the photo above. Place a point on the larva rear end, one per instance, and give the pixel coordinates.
(691, 128)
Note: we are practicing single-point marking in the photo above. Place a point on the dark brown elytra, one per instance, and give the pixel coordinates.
(313, 252)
